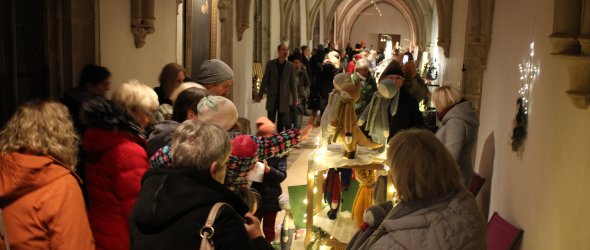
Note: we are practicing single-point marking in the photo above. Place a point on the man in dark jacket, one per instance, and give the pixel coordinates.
(173, 204)
(280, 88)
(408, 114)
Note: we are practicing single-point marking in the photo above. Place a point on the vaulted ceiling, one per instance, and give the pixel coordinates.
(418, 13)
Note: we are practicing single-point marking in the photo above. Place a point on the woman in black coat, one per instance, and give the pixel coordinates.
(173, 204)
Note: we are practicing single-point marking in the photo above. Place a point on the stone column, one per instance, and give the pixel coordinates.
(585, 28)
(226, 17)
(566, 27)
(242, 17)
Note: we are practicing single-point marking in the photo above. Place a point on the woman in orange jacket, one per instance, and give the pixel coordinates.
(40, 196)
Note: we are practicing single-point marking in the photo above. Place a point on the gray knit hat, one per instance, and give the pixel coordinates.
(214, 71)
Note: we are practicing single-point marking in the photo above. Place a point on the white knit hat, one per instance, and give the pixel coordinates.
(182, 87)
(217, 110)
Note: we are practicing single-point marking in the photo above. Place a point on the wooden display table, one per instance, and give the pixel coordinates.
(323, 159)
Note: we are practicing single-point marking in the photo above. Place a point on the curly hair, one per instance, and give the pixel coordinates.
(41, 127)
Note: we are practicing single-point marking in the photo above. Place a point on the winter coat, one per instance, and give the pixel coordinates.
(160, 137)
(458, 132)
(327, 82)
(407, 116)
(173, 205)
(351, 67)
(451, 223)
(115, 163)
(271, 85)
(302, 83)
(42, 203)
(270, 188)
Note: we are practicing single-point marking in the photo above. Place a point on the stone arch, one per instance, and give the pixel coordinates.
(357, 7)
(312, 15)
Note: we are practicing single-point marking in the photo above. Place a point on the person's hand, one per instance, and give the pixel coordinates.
(266, 167)
(252, 226)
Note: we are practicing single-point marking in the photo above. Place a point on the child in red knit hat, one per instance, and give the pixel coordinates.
(270, 188)
(241, 161)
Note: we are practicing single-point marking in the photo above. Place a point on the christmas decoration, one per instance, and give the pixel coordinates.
(528, 73)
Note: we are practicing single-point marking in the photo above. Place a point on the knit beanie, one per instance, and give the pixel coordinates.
(392, 71)
(217, 110)
(241, 161)
(243, 146)
(214, 71)
(265, 126)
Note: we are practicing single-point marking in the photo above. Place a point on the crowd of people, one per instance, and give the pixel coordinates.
(145, 168)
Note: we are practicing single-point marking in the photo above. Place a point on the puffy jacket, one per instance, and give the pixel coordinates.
(42, 203)
(115, 163)
(270, 188)
(452, 223)
(458, 132)
(173, 205)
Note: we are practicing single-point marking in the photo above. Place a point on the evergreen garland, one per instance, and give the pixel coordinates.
(521, 121)
(319, 236)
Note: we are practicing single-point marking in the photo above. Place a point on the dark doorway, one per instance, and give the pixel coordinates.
(43, 44)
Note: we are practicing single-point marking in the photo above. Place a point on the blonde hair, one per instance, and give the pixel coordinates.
(445, 97)
(136, 96)
(421, 167)
(183, 87)
(42, 127)
(198, 145)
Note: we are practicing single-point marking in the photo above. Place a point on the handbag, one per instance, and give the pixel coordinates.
(207, 231)
(3, 230)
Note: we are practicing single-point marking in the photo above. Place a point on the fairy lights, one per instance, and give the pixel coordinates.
(528, 72)
(377, 8)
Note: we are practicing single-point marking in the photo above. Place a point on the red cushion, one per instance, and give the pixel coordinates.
(476, 183)
(501, 235)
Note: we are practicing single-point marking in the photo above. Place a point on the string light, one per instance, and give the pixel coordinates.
(377, 8)
(528, 72)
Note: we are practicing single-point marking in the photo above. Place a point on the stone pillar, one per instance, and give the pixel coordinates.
(226, 17)
(566, 27)
(477, 46)
(242, 17)
(584, 38)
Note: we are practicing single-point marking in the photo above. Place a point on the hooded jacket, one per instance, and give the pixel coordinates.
(458, 132)
(173, 205)
(115, 162)
(42, 203)
(453, 222)
(161, 136)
